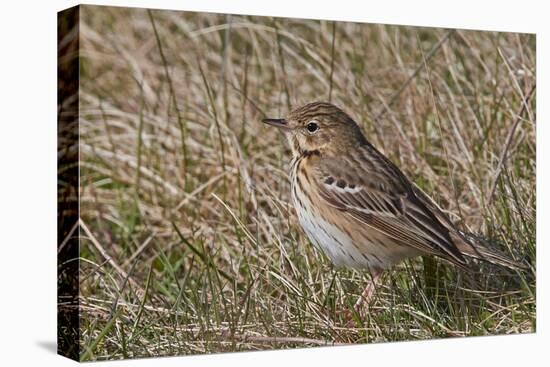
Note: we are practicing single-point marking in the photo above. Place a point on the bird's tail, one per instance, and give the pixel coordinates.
(469, 244)
(480, 248)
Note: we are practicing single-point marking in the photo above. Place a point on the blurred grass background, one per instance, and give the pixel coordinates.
(189, 242)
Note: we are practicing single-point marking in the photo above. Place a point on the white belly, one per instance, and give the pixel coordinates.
(336, 244)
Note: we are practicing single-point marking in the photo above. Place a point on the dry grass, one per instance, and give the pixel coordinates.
(189, 241)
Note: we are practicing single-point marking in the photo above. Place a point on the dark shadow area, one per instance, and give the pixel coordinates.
(67, 185)
(49, 346)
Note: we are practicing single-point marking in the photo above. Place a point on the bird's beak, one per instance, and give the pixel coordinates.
(280, 123)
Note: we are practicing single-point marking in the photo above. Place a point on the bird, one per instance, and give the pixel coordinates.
(356, 206)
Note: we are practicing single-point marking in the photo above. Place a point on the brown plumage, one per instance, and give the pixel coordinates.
(357, 206)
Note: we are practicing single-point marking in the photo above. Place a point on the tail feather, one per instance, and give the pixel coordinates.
(477, 247)
(467, 243)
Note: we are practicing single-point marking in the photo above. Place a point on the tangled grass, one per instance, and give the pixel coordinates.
(189, 243)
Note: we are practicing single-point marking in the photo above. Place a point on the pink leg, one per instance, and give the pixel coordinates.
(368, 292)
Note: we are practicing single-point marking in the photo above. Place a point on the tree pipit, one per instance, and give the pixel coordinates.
(356, 206)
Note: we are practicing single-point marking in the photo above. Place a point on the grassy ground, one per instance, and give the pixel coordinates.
(189, 240)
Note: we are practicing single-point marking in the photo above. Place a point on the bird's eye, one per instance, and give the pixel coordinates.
(312, 127)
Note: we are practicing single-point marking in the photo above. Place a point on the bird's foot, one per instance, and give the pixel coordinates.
(361, 308)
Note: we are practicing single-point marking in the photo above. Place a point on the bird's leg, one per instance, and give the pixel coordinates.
(368, 292)
(362, 304)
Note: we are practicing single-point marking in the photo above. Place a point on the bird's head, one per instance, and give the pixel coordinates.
(318, 126)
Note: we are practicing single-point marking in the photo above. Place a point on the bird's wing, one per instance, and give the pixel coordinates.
(369, 188)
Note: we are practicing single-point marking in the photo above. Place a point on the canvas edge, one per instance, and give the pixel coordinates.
(68, 285)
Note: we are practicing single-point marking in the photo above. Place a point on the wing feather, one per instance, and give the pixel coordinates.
(382, 198)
